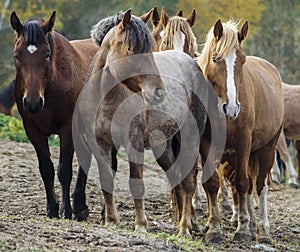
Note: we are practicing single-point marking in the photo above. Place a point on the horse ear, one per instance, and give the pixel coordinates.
(126, 19)
(147, 16)
(192, 18)
(155, 17)
(16, 23)
(164, 17)
(242, 34)
(218, 29)
(48, 25)
(179, 13)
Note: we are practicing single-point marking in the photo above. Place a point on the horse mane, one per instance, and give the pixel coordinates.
(100, 29)
(225, 45)
(179, 24)
(138, 36)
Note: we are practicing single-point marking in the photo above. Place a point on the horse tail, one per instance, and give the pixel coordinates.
(100, 29)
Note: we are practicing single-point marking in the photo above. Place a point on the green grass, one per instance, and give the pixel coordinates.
(12, 128)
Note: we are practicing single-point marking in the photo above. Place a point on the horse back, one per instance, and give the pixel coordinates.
(264, 81)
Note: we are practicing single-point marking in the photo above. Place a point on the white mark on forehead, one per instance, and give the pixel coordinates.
(231, 88)
(178, 41)
(31, 49)
(162, 33)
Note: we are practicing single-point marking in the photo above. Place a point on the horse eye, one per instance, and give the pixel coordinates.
(214, 60)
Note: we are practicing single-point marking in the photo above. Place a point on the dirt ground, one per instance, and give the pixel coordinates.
(24, 227)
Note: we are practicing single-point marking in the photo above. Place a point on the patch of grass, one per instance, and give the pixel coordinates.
(12, 128)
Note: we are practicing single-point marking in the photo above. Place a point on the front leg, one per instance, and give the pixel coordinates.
(106, 175)
(64, 171)
(40, 144)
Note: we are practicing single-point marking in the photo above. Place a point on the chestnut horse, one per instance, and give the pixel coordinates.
(49, 77)
(7, 98)
(291, 126)
(143, 100)
(250, 98)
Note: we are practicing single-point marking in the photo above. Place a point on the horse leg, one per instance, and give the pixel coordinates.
(275, 172)
(211, 187)
(223, 193)
(64, 171)
(285, 157)
(40, 144)
(197, 196)
(106, 176)
(266, 159)
(242, 184)
(297, 147)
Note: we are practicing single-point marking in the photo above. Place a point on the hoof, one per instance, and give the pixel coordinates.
(82, 215)
(293, 185)
(264, 239)
(111, 224)
(214, 237)
(140, 229)
(66, 213)
(184, 233)
(242, 236)
(52, 212)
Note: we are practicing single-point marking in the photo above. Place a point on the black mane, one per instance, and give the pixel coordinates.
(138, 36)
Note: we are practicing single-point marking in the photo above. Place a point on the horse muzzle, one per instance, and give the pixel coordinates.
(231, 111)
(33, 106)
(154, 96)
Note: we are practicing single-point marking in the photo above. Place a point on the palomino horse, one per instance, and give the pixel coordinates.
(50, 73)
(250, 98)
(7, 98)
(144, 100)
(158, 27)
(291, 125)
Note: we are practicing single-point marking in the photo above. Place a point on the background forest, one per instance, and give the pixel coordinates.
(274, 30)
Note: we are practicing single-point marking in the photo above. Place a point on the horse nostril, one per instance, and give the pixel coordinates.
(225, 108)
(158, 93)
(25, 101)
(41, 101)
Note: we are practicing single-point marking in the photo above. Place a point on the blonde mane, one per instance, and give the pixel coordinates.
(179, 24)
(220, 49)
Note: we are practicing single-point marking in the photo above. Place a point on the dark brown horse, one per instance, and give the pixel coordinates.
(7, 98)
(50, 74)
(250, 98)
(142, 99)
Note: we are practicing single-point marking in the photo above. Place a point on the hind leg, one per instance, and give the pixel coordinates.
(285, 156)
(297, 147)
(266, 159)
(211, 187)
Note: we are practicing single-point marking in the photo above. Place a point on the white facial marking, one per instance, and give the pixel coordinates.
(178, 41)
(162, 33)
(31, 49)
(231, 88)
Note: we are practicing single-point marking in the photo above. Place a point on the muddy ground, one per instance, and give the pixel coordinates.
(24, 227)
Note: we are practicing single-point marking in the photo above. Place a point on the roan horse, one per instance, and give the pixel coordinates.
(291, 126)
(250, 98)
(134, 102)
(50, 72)
(7, 98)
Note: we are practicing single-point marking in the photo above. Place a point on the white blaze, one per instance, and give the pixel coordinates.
(31, 49)
(231, 88)
(178, 41)
(162, 33)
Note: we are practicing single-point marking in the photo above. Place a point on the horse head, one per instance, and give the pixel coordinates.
(33, 52)
(129, 47)
(222, 62)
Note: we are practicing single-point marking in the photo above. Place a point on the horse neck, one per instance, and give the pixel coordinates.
(7, 97)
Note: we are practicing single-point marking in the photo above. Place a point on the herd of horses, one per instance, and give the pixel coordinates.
(127, 86)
